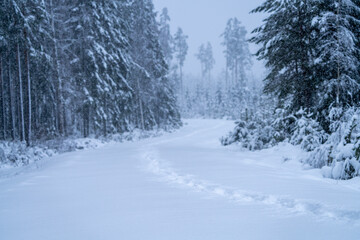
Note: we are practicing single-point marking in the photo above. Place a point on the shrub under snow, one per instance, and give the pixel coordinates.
(307, 132)
(339, 156)
(255, 134)
(16, 154)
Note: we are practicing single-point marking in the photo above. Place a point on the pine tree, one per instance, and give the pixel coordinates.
(156, 100)
(337, 56)
(205, 56)
(236, 52)
(180, 50)
(287, 47)
(311, 51)
(165, 37)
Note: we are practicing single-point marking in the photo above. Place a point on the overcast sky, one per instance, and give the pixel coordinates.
(205, 20)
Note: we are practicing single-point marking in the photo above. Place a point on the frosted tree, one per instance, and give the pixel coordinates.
(202, 58)
(98, 58)
(236, 52)
(311, 51)
(205, 56)
(165, 37)
(180, 51)
(23, 46)
(337, 55)
(156, 100)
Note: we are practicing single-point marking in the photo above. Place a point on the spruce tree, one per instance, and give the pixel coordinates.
(180, 49)
(165, 37)
(236, 52)
(337, 56)
(156, 103)
(287, 47)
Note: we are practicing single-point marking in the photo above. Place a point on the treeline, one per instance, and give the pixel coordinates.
(175, 49)
(89, 67)
(213, 100)
(311, 49)
(231, 95)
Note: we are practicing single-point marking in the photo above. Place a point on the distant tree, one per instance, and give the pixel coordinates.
(236, 51)
(201, 56)
(165, 37)
(205, 56)
(155, 93)
(180, 50)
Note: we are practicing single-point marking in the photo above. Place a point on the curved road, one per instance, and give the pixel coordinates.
(183, 185)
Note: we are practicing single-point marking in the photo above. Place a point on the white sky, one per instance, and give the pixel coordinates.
(205, 20)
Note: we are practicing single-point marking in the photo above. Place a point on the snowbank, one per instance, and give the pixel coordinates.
(17, 154)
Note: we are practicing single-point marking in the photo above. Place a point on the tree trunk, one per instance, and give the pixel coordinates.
(236, 72)
(105, 117)
(3, 98)
(21, 96)
(227, 77)
(86, 124)
(140, 105)
(181, 81)
(58, 81)
(210, 78)
(12, 103)
(338, 58)
(64, 119)
(29, 120)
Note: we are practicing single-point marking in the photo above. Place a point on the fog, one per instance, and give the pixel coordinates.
(205, 20)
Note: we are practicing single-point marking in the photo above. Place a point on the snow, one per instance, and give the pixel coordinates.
(181, 185)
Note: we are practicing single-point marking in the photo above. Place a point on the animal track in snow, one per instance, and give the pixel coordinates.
(156, 166)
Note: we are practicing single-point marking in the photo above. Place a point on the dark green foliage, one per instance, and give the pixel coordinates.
(84, 67)
(254, 134)
(286, 45)
(357, 149)
(310, 49)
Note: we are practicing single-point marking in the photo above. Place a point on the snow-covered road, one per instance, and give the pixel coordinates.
(183, 185)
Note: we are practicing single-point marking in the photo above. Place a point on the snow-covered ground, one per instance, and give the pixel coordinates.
(183, 185)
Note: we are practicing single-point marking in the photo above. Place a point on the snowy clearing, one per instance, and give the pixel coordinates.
(183, 185)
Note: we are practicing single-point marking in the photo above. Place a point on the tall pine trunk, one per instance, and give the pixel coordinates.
(3, 99)
(236, 72)
(29, 101)
(29, 106)
(12, 103)
(105, 117)
(227, 77)
(21, 95)
(181, 80)
(140, 105)
(58, 81)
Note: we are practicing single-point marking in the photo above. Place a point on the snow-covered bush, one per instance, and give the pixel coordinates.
(337, 153)
(299, 129)
(307, 132)
(253, 135)
(2, 156)
(339, 156)
(262, 131)
(283, 124)
(16, 154)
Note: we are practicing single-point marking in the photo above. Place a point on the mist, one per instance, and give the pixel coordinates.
(205, 20)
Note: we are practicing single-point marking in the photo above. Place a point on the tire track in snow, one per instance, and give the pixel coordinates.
(296, 206)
